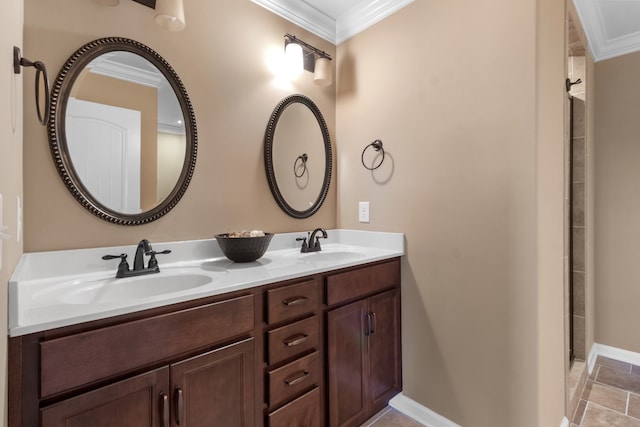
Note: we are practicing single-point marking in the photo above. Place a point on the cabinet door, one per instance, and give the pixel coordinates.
(346, 347)
(215, 389)
(384, 348)
(141, 401)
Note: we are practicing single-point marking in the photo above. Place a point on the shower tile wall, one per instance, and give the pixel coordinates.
(577, 67)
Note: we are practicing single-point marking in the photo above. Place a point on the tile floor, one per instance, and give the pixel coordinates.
(389, 417)
(611, 396)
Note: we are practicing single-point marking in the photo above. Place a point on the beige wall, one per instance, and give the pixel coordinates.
(221, 58)
(10, 164)
(617, 207)
(470, 111)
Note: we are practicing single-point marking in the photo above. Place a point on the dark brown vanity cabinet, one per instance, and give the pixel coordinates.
(363, 345)
(294, 355)
(194, 366)
(212, 389)
(322, 350)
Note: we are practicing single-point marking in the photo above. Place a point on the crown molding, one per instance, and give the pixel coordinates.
(365, 14)
(361, 16)
(600, 45)
(303, 15)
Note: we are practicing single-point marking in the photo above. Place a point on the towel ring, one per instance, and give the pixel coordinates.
(303, 163)
(41, 73)
(377, 146)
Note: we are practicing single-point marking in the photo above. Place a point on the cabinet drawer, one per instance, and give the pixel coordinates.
(364, 281)
(290, 301)
(291, 379)
(293, 339)
(70, 362)
(304, 411)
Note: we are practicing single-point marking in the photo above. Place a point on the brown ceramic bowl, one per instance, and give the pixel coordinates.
(243, 249)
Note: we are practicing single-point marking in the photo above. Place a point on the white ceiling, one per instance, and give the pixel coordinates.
(334, 20)
(612, 26)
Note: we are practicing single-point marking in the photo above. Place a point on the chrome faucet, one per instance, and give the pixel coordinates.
(144, 248)
(313, 244)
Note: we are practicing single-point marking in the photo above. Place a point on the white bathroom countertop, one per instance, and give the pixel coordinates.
(47, 289)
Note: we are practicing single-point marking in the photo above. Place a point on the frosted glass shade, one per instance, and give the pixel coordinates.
(293, 60)
(170, 14)
(322, 74)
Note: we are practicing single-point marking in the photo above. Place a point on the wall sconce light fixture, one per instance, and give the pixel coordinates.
(170, 14)
(301, 56)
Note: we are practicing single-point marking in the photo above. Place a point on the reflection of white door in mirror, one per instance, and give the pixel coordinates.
(103, 139)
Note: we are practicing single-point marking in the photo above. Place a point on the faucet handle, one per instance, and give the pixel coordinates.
(153, 262)
(305, 246)
(123, 267)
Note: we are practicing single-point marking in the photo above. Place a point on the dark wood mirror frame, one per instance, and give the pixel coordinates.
(57, 134)
(269, 163)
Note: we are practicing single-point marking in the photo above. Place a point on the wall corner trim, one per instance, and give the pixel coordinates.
(419, 413)
(612, 353)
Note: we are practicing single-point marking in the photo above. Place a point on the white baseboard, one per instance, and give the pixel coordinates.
(421, 414)
(612, 353)
(426, 416)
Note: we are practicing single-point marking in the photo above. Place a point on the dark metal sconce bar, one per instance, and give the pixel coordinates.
(148, 3)
(309, 52)
(41, 72)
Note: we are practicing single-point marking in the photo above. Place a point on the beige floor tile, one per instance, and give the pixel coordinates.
(634, 406)
(606, 396)
(635, 369)
(620, 379)
(577, 417)
(612, 363)
(598, 416)
(393, 418)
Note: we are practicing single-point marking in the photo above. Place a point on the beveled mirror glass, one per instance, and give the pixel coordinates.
(298, 156)
(122, 131)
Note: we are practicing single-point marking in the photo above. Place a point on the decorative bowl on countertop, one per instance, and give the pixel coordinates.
(243, 249)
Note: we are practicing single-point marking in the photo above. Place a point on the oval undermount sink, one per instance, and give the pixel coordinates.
(133, 288)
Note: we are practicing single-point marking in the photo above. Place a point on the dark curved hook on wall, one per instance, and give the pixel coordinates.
(377, 146)
(41, 73)
(303, 165)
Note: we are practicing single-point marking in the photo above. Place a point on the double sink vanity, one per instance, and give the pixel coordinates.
(191, 338)
(292, 339)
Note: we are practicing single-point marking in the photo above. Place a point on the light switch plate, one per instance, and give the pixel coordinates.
(363, 212)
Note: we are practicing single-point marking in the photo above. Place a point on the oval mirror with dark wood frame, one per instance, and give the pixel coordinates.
(297, 155)
(122, 131)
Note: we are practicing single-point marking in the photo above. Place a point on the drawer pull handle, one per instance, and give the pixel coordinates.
(295, 340)
(295, 301)
(179, 406)
(293, 381)
(165, 409)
